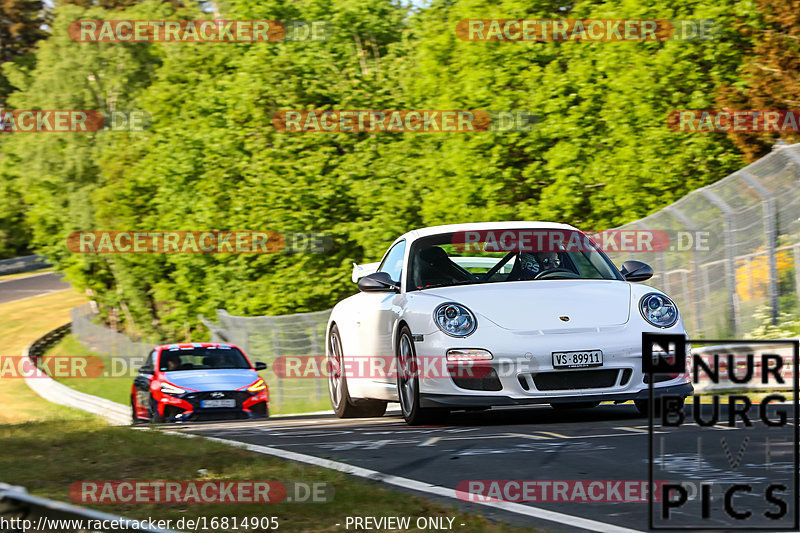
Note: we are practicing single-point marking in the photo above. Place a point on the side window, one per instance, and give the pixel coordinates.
(393, 262)
(149, 360)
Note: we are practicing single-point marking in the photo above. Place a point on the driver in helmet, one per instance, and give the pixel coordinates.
(534, 263)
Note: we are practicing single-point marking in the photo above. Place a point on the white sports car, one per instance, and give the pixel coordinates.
(470, 316)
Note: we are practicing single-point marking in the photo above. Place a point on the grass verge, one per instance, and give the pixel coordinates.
(84, 450)
(23, 322)
(114, 388)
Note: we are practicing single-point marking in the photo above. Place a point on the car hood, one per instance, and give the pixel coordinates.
(539, 305)
(211, 380)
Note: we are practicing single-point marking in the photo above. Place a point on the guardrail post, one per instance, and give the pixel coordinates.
(730, 261)
(796, 251)
(315, 350)
(771, 236)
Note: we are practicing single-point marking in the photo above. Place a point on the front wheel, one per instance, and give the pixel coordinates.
(408, 385)
(343, 405)
(155, 418)
(135, 420)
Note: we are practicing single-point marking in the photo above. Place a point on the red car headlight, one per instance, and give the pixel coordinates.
(258, 386)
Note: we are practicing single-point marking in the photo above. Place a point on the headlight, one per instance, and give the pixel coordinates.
(169, 388)
(658, 310)
(257, 386)
(455, 319)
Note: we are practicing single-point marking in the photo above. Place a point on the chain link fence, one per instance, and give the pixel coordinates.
(744, 254)
(104, 341)
(266, 338)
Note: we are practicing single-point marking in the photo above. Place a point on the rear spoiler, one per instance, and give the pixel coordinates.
(359, 271)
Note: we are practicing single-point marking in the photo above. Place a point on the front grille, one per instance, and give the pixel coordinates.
(576, 379)
(489, 382)
(195, 398)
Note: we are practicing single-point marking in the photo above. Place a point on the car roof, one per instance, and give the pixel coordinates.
(483, 226)
(188, 345)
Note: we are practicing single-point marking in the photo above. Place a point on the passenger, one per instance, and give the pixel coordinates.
(170, 361)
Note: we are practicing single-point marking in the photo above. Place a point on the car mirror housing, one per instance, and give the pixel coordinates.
(261, 366)
(636, 271)
(378, 282)
(145, 369)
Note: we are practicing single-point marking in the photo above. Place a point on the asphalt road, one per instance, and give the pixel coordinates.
(33, 285)
(606, 443)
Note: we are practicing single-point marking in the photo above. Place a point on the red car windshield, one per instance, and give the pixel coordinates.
(202, 358)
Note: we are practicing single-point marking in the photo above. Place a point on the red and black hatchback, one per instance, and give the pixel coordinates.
(198, 381)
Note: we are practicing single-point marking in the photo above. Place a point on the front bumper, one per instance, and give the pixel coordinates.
(523, 371)
(189, 406)
(455, 401)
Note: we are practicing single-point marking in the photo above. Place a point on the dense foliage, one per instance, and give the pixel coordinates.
(601, 154)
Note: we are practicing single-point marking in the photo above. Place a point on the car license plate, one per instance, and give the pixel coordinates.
(577, 359)
(218, 403)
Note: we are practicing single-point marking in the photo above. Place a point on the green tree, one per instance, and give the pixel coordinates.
(771, 74)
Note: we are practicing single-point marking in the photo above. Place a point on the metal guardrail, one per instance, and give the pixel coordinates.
(27, 263)
(115, 413)
(42, 344)
(20, 513)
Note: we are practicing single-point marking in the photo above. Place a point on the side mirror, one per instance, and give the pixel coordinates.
(378, 282)
(145, 369)
(261, 366)
(636, 271)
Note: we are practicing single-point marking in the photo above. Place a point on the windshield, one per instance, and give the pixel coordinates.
(467, 258)
(202, 358)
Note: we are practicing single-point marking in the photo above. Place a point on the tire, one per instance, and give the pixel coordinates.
(644, 406)
(135, 420)
(574, 405)
(155, 418)
(343, 405)
(408, 385)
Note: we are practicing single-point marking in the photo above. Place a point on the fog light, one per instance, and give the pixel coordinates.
(468, 354)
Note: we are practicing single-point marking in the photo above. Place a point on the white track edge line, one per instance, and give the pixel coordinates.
(420, 486)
